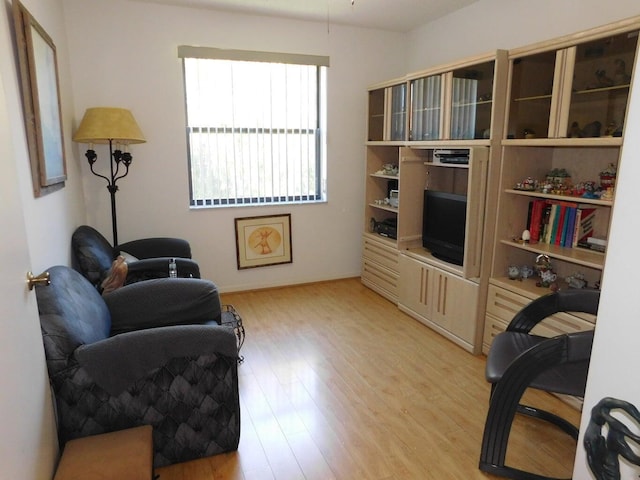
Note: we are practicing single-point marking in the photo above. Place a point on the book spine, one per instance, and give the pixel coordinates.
(561, 224)
(553, 224)
(576, 228)
(536, 220)
(571, 225)
(547, 221)
(586, 224)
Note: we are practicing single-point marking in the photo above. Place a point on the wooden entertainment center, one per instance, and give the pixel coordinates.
(554, 108)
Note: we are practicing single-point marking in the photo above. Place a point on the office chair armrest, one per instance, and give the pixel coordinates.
(117, 362)
(162, 302)
(156, 247)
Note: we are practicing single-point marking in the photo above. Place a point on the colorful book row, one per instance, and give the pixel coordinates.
(565, 224)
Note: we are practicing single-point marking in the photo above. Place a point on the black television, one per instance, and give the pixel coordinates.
(443, 225)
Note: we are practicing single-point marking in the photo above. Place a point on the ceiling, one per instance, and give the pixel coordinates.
(394, 15)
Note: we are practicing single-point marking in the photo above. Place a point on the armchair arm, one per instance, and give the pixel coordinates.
(149, 268)
(162, 302)
(156, 247)
(117, 362)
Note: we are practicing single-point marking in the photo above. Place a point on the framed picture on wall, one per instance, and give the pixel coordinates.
(262, 241)
(41, 102)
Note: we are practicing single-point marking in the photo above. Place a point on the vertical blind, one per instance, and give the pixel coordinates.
(255, 126)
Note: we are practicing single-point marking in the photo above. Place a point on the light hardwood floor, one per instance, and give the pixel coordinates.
(337, 383)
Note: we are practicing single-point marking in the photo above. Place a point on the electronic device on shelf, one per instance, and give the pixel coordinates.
(394, 197)
(385, 228)
(443, 225)
(458, 156)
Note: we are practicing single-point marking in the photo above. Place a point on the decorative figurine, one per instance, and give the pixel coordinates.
(602, 80)
(610, 438)
(514, 272)
(589, 188)
(607, 194)
(526, 271)
(545, 271)
(612, 129)
(576, 280)
(608, 176)
(388, 169)
(590, 130)
(574, 131)
(620, 76)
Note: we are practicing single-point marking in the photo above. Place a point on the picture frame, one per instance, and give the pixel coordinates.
(38, 62)
(263, 241)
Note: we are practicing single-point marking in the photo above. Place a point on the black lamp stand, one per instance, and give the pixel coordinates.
(118, 157)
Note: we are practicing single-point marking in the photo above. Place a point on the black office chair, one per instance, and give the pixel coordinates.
(519, 360)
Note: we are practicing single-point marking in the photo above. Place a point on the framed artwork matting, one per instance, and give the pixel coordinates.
(263, 241)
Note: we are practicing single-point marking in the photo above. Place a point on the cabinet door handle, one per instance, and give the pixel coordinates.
(442, 295)
(424, 287)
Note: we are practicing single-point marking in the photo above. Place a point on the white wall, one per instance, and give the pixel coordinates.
(51, 218)
(615, 356)
(125, 54)
(48, 224)
(488, 25)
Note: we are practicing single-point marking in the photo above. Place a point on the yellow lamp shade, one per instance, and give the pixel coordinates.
(101, 124)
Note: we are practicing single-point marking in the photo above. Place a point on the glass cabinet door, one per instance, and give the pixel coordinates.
(376, 115)
(471, 102)
(600, 89)
(398, 112)
(426, 108)
(530, 99)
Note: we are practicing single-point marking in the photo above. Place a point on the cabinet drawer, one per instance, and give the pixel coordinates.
(492, 327)
(502, 305)
(380, 253)
(380, 279)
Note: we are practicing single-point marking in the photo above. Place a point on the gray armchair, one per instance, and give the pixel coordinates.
(151, 353)
(92, 255)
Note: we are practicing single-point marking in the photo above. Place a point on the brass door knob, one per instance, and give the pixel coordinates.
(42, 279)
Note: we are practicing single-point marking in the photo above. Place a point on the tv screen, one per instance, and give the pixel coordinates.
(443, 225)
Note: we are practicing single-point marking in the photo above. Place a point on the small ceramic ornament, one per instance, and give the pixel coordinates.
(513, 272)
(526, 271)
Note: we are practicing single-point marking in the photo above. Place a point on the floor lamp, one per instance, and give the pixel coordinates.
(117, 128)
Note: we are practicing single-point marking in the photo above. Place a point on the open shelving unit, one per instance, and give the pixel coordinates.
(566, 110)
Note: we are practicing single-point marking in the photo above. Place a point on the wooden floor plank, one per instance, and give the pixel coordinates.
(338, 384)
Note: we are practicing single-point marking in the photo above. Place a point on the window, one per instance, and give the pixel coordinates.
(255, 126)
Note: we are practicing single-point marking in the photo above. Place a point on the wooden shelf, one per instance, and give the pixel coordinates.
(602, 89)
(390, 242)
(577, 255)
(527, 288)
(447, 165)
(564, 142)
(388, 177)
(532, 98)
(386, 208)
(562, 198)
